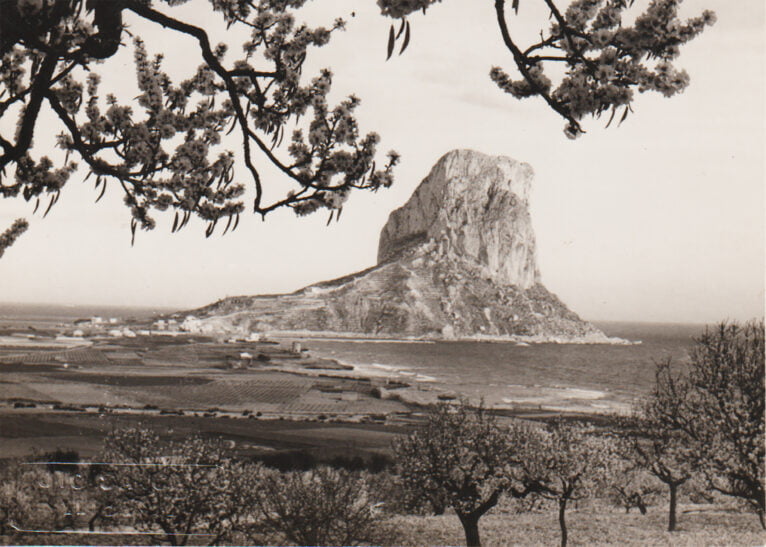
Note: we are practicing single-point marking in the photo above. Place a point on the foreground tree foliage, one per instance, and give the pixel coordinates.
(632, 487)
(604, 62)
(461, 455)
(718, 406)
(163, 148)
(665, 453)
(35, 500)
(177, 491)
(566, 463)
(322, 506)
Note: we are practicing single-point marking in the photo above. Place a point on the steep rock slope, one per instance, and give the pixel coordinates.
(457, 260)
(475, 207)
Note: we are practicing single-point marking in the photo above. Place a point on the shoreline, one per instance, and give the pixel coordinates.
(413, 388)
(401, 384)
(298, 335)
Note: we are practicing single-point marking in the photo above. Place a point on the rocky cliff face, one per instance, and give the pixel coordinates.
(457, 260)
(474, 207)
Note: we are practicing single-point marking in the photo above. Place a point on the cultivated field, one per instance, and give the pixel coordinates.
(259, 395)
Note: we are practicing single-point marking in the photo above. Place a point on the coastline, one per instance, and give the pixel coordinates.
(594, 338)
(320, 380)
(414, 388)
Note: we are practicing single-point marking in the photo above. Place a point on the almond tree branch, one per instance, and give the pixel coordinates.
(207, 54)
(227, 77)
(97, 164)
(9, 236)
(521, 62)
(29, 120)
(234, 95)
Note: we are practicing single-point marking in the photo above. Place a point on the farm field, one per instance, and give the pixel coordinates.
(25, 433)
(260, 396)
(256, 391)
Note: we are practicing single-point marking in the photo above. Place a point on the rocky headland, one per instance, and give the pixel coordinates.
(458, 260)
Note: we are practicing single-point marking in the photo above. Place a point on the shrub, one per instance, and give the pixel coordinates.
(175, 490)
(323, 506)
(633, 487)
(34, 500)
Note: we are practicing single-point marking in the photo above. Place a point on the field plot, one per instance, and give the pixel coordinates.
(19, 391)
(316, 401)
(131, 380)
(255, 394)
(78, 356)
(229, 393)
(189, 351)
(85, 394)
(264, 390)
(24, 434)
(362, 437)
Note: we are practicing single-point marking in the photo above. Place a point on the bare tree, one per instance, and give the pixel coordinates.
(665, 453)
(718, 405)
(631, 486)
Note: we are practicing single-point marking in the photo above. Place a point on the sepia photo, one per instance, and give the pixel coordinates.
(390, 272)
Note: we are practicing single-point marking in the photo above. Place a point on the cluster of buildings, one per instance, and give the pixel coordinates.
(113, 327)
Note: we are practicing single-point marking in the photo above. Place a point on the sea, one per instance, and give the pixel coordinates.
(574, 377)
(41, 315)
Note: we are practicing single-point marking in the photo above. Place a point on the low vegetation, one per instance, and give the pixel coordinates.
(322, 506)
(697, 441)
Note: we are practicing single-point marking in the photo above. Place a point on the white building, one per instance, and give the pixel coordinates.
(191, 324)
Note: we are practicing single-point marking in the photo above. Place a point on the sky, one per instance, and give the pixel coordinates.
(661, 219)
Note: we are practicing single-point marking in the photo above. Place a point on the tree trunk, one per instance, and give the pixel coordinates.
(437, 505)
(563, 521)
(760, 518)
(642, 507)
(672, 511)
(470, 524)
(93, 519)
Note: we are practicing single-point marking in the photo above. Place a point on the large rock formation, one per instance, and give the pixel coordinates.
(475, 207)
(457, 260)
